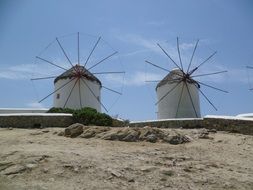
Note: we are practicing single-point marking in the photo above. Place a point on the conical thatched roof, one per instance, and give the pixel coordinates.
(72, 72)
(172, 77)
(175, 76)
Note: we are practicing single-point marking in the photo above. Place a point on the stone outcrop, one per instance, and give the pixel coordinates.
(126, 134)
(74, 130)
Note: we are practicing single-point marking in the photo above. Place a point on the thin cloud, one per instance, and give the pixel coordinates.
(35, 105)
(133, 53)
(234, 75)
(151, 45)
(27, 71)
(17, 72)
(138, 78)
(140, 41)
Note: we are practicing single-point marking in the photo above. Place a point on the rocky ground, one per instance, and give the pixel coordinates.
(103, 158)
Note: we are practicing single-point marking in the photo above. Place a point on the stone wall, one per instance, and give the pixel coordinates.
(243, 126)
(221, 124)
(22, 110)
(36, 121)
(171, 123)
(232, 125)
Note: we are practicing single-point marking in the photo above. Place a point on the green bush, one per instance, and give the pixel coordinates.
(86, 116)
(90, 116)
(60, 110)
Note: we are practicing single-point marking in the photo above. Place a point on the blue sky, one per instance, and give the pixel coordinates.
(133, 28)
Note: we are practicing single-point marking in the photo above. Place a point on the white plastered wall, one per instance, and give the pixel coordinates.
(167, 108)
(87, 98)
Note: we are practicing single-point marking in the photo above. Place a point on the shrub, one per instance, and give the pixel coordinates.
(60, 110)
(86, 116)
(90, 116)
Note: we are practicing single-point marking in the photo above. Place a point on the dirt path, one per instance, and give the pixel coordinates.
(42, 160)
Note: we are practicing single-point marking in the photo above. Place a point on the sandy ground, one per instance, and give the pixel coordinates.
(40, 159)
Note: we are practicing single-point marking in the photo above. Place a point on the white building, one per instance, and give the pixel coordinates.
(177, 103)
(77, 88)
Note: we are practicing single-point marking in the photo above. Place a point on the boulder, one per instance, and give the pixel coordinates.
(146, 131)
(93, 131)
(123, 133)
(110, 135)
(204, 134)
(74, 130)
(126, 134)
(177, 139)
(132, 136)
(151, 138)
(151, 134)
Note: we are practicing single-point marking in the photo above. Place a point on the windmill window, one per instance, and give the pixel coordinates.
(98, 98)
(57, 96)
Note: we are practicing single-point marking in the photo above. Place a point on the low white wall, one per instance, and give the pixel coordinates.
(245, 115)
(22, 110)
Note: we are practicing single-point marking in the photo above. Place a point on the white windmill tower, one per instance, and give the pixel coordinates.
(77, 87)
(178, 91)
(78, 81)
(167, 106)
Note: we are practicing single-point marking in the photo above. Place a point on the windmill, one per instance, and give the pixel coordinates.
(78, 85)
(178, 92)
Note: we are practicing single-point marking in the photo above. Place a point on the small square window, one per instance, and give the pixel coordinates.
(57, 96)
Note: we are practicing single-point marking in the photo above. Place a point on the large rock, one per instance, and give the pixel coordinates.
(152, 138)
(127, 134)
(151, 134)
(93, 131)
(110, 135)
(146, 131)
(132, 136)
(74, 130)
(124, 134)
(177, 139)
